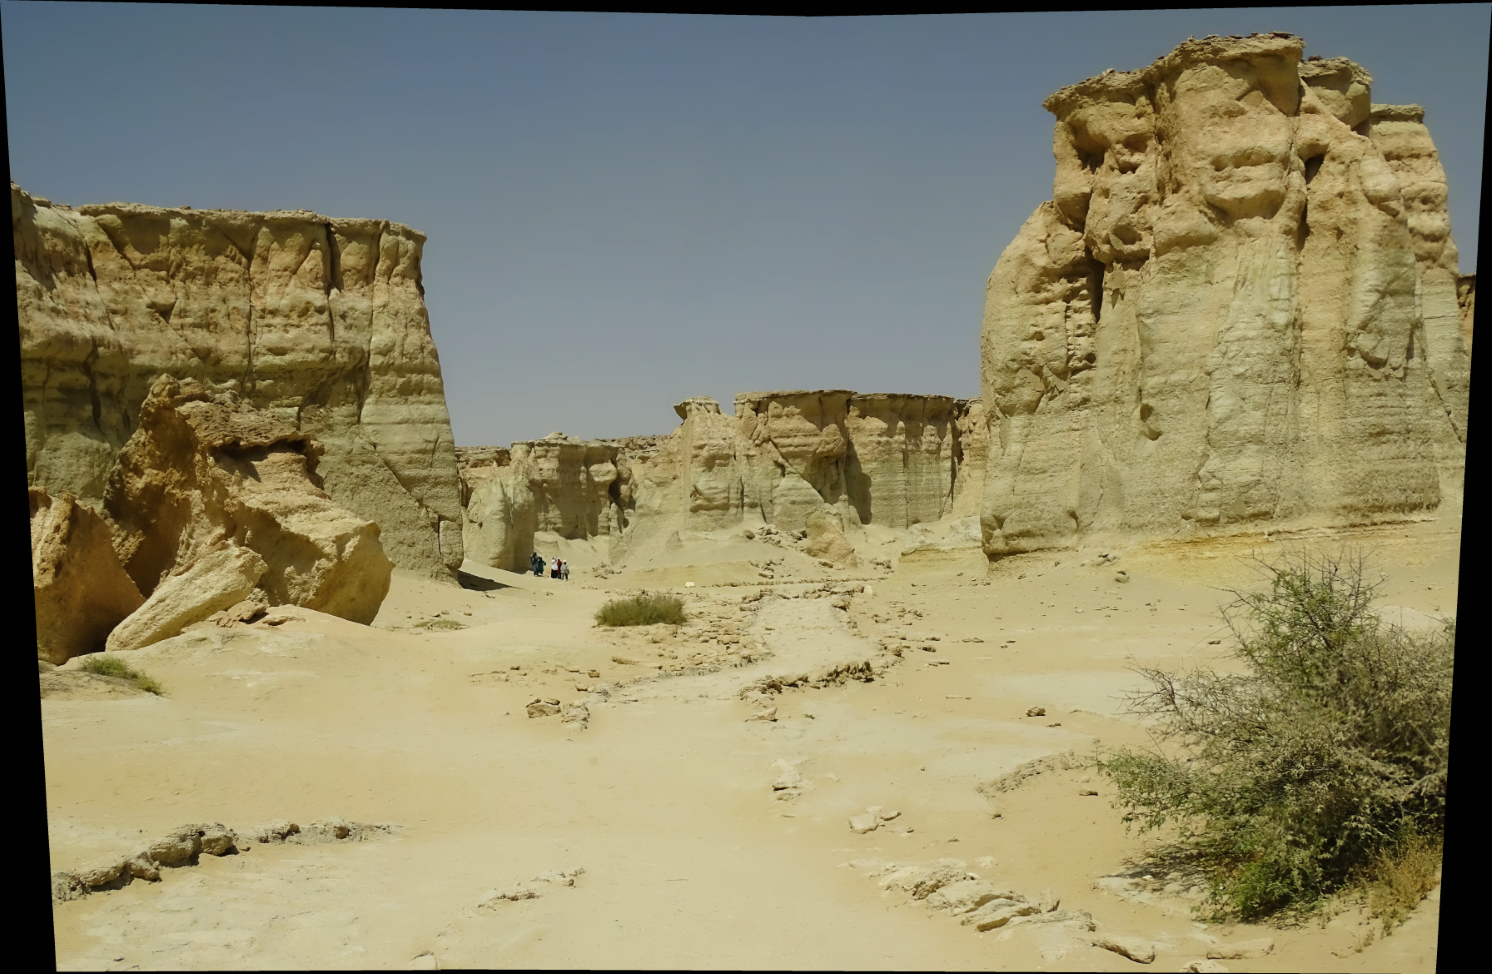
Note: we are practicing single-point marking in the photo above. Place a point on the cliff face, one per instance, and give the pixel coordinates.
(1240, 306)
(559, 485)
(788, 459)
(785, 458)
(320, 322)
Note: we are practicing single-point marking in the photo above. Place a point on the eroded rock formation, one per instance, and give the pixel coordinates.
(320, 322)
(558, 486)
(214, 502)
(1240, 306)
(81, 590)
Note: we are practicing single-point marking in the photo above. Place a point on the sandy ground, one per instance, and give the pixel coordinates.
(665, 798)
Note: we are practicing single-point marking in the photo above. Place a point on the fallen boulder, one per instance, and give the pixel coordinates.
(81, 590)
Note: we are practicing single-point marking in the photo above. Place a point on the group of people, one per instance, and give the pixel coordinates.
(558, 567)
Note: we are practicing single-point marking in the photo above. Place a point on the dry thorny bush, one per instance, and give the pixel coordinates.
(1319, 770)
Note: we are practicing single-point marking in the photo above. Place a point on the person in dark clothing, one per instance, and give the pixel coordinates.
(536, 564)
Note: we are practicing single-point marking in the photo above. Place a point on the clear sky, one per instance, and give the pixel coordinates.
(625, 210)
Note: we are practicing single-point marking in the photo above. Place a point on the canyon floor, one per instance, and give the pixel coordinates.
(665, 797)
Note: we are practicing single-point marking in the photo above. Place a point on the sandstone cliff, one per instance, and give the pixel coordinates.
(1240, 307)
(794, 460)
(319, 321)
(559, 486)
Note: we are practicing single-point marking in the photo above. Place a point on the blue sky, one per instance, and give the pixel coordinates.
(625, 210)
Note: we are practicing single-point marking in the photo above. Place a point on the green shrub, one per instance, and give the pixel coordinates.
(646, 609)
(1298, 777)
(100, 664)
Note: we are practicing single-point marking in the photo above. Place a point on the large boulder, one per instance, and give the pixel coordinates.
(214, 501)
(82, 591)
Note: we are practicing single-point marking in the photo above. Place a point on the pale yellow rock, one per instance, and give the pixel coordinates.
(320, 321)
(826, 540)
(202, 470)
(216, 579)
(81, 590)
(1217, 322)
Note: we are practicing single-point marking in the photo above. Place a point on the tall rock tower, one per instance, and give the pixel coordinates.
(1239, 309)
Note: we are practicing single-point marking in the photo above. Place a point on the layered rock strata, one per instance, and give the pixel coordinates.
(563, 486)
(819, 463)
(1239, 308)
(213, 502)
(320, 322)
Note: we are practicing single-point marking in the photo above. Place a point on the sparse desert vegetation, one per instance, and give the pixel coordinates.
(1320, 769)
(102, 664)
(647, 609)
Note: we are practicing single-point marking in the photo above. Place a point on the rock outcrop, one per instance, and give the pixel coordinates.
(320, 322)
(559, 486)
(1239, 308)
(82, 591)
(213, 502)
(819, 464)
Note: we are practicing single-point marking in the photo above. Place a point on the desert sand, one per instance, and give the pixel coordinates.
(664, 797)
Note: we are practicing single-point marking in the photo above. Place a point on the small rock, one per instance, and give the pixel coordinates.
(1121, 576)
(177, 849)
(593, 674)
(576, 712)
(1086, 792)
(861, 824)
(1049, 901)
(276, 831)
(102, 873)
(969, 895)
(67, 886)
(142, 868)
(543, 708)
(218, 840)
(770, 713)
(997, 913)
(1205, 967)
(1137, 950)
(563, 877)
(1036, 712)
(1241, 950)
(511, 894)
(886, 816)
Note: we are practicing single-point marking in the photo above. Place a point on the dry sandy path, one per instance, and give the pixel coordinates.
(665, 799)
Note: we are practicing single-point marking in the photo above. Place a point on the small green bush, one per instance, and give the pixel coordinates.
(1302, 776)
(102, 665)
(646, 609)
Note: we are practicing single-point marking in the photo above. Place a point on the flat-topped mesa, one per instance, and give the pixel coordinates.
(1239, 308)
(318, 321)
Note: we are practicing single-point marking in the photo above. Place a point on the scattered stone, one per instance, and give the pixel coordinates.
(544, 707)
(1049, 901)
(1138, 950)
(510, 894)
(217, 840)
(1087, 792)
(1241, 950)
(576, 712)
(564, 877)
(867, 822)
(769, 714)
(1036, 712)
(969, 895)
(1205, 967)
(997, 913)
(1121, 576)
(276, 831)
(594, 674)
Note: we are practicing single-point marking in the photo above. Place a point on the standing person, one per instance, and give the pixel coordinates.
(554, 568)
(564, 571)
(536, 564)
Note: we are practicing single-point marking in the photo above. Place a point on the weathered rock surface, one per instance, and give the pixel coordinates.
(820, 463)
(562, 486)
(213, 501)
(322, 322)
(1240, 307)
(81, 590)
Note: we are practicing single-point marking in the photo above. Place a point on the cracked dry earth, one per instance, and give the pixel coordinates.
(832, 773)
